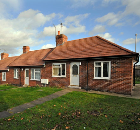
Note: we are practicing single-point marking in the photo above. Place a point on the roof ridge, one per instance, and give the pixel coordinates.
(116, 45)
(51, 49)
(13, 60)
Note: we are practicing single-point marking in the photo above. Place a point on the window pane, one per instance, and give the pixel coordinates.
(56, 65)
(17, 73)
(32, 73)
(105, 69)
(37, 69)
(75, 70)
(3, 76)
(63, 69)
(14, 73)
(27, 73)
(37, 75)
(97, 71)
(56, 71)
(98, 63)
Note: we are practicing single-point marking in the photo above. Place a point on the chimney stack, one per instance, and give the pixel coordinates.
(4, 55)
(61, 39)
(26, 49)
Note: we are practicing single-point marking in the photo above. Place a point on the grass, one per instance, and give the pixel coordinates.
(4, 87)
(137, 82)
(77, 111)
(17, 96)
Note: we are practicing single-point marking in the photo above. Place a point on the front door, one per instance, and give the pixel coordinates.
(74, 73)
(27, 76)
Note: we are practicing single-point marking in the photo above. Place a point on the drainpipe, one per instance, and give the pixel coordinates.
(20, 76)
(134, 70)
(87, 76)
(136, 62)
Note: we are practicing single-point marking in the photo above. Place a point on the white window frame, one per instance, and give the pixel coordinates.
(16, 74)
(4, 73)
(109, 73)
(34, 74)
(61, 69)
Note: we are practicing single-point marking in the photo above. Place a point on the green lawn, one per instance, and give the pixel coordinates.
(17, 96)
(137, 82)
(79, 111)
(4, 87)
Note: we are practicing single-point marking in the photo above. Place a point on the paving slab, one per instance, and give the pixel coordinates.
(4, 114)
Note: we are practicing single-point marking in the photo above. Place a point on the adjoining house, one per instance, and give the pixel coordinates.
(89, 63)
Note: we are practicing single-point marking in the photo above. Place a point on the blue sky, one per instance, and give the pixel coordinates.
(30, 22)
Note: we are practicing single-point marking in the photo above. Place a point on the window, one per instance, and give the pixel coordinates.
(102, 69)
(75, 70)
(59, 69)
(35, 74)
(3, 76)
(16, 74)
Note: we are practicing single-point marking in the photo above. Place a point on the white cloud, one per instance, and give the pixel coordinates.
(8, 5)
(47, 46)
(97, 29)
(14, 33)
(106, 2)
(107, 36)
(82, 3)
(110, 18)
(75, 20)
(50, 31)
(33, 18)
(132, 7)
(71, 26)
(130, 41)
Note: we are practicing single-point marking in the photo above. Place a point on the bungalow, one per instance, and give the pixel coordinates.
(89, 63)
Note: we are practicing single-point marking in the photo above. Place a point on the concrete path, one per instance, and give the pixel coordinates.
(25, 106)
(135, 92)
(18, 109)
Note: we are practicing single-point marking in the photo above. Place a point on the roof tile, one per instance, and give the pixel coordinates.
(86, 48)
(31, 58)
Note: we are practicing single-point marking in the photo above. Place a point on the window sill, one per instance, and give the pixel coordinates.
(103, 78)
(16, 78)
(3, 80)
(35, 79)
(59, 76)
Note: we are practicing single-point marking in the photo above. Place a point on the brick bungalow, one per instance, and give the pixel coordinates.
(89, 63)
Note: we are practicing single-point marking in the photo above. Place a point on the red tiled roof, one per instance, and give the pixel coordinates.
(31, 58)
(5, 62)
(86, 48)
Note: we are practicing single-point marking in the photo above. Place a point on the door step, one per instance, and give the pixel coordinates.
(74, 86)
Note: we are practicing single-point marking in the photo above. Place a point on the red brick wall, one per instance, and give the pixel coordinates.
(10, 78)
(56, 81)
(121, 80)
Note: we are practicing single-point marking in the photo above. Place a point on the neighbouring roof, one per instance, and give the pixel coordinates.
(86, 48)
(31, 58)
(5, 62)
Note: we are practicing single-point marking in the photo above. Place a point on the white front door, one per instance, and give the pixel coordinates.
(74, 73)
(27, 76)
